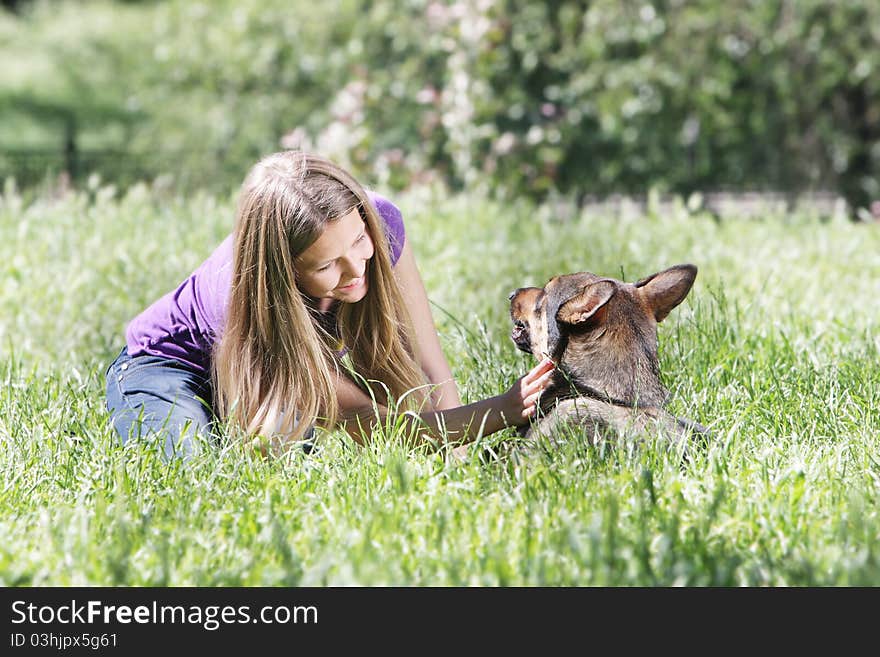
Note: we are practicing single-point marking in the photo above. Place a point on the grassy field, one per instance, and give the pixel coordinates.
(776, 349)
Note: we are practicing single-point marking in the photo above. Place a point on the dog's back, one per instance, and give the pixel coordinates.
(598, 420)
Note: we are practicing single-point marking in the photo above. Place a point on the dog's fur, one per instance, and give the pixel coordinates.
(602, 335)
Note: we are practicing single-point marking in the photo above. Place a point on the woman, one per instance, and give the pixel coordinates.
(311, 313)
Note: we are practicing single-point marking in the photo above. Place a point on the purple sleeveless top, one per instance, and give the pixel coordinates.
(186, 323)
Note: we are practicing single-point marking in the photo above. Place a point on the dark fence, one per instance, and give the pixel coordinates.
(36, 167)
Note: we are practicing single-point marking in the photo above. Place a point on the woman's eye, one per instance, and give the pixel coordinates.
(324, 268)
(361, 238)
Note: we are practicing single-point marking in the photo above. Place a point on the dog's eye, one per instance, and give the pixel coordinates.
(511, 295)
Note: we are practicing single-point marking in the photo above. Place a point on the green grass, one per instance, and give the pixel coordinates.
(776, 349)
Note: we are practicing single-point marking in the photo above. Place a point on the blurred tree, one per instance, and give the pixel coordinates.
(574, 97)
(12, 5)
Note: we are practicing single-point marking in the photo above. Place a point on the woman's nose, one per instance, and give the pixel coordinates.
(354, 266)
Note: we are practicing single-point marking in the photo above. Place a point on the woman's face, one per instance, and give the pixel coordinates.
(334, 267)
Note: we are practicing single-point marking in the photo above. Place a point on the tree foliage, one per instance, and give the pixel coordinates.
(513, 96)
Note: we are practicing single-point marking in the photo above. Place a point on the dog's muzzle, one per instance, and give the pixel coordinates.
(521, 337)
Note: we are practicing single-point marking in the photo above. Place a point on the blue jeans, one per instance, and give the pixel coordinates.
(161, 400)
(165, 401)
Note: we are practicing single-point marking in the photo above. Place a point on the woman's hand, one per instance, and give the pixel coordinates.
(521, 401)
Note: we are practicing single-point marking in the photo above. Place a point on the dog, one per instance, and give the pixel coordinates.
(602, 335)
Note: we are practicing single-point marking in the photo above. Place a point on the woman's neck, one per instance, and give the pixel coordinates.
(322, 306)
(325, 318)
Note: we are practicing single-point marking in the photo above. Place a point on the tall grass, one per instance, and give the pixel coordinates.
(776, 349)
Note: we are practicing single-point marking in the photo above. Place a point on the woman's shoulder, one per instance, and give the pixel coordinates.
(393, 220)
(386, 208)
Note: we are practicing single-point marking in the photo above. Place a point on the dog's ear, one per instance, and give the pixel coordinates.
(586, 303)
(666, 289)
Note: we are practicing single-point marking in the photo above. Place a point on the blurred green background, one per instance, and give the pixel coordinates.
(537, 99)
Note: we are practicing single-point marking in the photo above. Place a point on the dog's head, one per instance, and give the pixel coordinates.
(600, 331)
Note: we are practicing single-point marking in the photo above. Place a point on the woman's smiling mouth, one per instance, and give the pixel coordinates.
(352, 286)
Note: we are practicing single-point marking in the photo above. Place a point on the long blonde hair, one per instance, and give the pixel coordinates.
(274, 368)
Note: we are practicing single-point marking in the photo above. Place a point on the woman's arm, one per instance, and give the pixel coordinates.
(460, 424)
(431, 359)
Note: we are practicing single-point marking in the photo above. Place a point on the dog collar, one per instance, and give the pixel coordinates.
(576, 389)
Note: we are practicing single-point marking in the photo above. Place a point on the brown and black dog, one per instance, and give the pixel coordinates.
(602, 335)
